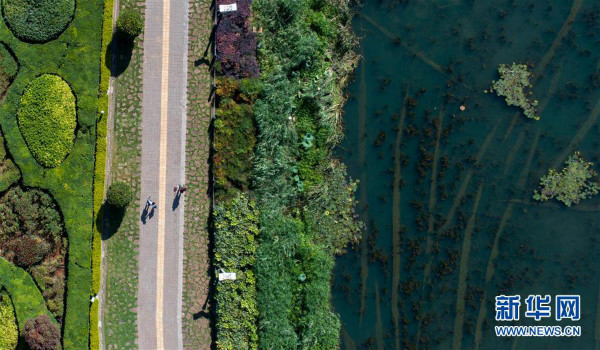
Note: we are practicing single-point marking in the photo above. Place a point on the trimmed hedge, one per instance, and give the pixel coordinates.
(236, 227)
(94, 332)
(47, 119)
(38, 21)
(99, 173)
(8, 324)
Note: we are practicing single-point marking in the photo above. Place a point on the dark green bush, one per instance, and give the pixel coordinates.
(47, 119)
(41, 333)
(130, 24)
(119, 195)
(236, 228)
(37, 21)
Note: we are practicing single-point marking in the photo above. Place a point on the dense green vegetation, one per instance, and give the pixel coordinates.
(236, 227)
(305, 62)
(47, 119)
(130, 23)
(74, 55)
(288, 126)
(235, 136)
(9, 173)
(37, 21)
(8, 323)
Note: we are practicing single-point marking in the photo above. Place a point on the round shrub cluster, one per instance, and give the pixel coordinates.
(47, 119)
(41, 333)
(37, 21)
(119, 195)
(130, 23)
(30, 226)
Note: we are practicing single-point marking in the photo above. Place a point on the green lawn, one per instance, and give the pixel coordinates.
(75, 56)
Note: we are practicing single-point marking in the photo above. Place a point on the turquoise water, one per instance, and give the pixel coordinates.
(471, 231)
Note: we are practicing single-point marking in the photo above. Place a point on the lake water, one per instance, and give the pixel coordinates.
(446, 194)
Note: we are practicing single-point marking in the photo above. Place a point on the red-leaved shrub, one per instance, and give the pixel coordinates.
(41, 333)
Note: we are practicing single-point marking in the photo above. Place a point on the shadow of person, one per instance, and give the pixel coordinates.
(151, 214)
(201, 314)
(144, 215)
(176, 201)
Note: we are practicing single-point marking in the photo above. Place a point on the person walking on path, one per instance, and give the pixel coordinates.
(151, 204)
(179, 189)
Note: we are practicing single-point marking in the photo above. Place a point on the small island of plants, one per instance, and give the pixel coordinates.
(572, 184)
(513, 86)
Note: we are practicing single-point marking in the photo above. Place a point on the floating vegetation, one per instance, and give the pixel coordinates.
(513, 84)
(571, 184)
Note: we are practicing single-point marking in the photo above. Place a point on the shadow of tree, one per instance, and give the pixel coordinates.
(118, 54)
(109, 219)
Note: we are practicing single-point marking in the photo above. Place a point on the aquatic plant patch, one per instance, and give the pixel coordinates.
(37, 21)
(47, 119)
(514, 85)
(572, 184)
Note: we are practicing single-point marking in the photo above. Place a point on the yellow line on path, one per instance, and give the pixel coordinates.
(162, 177)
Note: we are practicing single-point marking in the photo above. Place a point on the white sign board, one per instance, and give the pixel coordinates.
(227, 276)
(228, 8)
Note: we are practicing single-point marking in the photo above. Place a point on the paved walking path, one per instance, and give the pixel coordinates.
(163, 167)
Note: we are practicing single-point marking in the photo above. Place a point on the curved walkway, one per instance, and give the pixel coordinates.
(163, 167)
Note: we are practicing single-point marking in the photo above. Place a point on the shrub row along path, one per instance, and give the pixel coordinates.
(163, 167)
